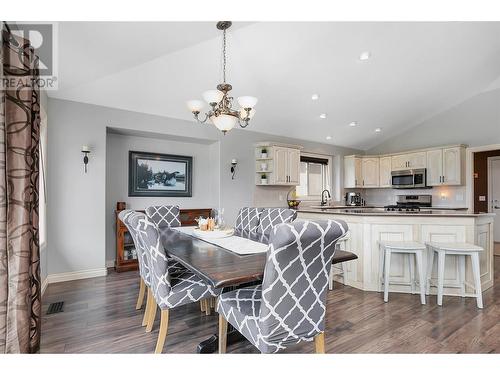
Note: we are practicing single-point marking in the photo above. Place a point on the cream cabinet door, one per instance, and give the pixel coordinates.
(434, 167)
(417, 160)
(294, 167)
(452, 166)
(370, 172)
(352, 172)
(280, 165)
(399, 162)
(385, 172)
(358, 172)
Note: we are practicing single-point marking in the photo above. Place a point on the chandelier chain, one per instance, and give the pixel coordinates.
(224, 56)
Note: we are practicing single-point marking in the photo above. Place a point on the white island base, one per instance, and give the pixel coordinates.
(368, 230)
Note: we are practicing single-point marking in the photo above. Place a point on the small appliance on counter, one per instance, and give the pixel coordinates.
(353, 199)
(410, 203)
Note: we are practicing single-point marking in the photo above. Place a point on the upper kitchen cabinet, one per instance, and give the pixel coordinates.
(277, 164)
(445, 166)
(385, 170)
(414, 160)
(353, 174)
(370, 172)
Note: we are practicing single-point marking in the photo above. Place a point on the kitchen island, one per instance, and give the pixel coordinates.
(368, 226)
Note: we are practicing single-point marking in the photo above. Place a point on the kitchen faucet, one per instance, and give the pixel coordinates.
(323, 200)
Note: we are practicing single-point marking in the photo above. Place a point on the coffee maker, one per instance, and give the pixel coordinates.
(353, 199)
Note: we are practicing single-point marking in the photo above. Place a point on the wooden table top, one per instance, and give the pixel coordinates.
(217, 266)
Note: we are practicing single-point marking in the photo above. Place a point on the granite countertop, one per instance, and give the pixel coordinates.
(374, 211)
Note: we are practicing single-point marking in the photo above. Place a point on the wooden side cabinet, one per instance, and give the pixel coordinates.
(126, 256)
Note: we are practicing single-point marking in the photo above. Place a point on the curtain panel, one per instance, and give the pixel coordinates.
(20, 300)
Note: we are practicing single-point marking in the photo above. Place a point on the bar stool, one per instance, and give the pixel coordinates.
(339, 246)
(461, 250)
(403, 247)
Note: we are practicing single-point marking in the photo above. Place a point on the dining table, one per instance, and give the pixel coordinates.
(217, 265)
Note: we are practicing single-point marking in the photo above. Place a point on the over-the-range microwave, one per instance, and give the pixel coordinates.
(409, 179)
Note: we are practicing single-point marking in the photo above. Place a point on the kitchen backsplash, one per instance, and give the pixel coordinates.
(442, 196)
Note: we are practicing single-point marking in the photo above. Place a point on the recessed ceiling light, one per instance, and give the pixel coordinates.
(328, 137)
(314, 96)
(365, 56)
(378, 130)
(354, 123)
(323, 115)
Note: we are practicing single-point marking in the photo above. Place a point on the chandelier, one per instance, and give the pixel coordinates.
(221, 112)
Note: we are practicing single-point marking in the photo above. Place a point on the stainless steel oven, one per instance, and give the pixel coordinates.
(409, 179)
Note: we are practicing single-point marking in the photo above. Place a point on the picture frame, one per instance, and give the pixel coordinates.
(159, 175)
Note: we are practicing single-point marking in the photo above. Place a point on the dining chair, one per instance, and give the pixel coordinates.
(270, 217)
(289, 306)
(169, 290)
(248, 219)
(131, 220)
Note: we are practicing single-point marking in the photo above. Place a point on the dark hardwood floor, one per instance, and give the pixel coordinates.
(100, 317)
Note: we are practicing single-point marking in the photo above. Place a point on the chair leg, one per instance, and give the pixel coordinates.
(477, 279)
(461, 273)
(222, 334)
(148, 308)
(412, 273)
(441, 259)
(421, 277)
(152, 314)
(162, 334)
(202, 305)
(344, 272)
(387, 270)
(381, 261)
(140, 297)
(208, 311)
(319, 343)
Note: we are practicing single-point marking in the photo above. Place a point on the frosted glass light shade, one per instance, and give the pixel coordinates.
(213, 96)
(243, 113)
(247, 101)
(224, 122)
(195, 105)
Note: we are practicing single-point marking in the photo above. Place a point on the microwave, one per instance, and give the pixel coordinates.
(409, 179)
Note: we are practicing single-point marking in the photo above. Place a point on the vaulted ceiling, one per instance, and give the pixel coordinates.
(416, 70)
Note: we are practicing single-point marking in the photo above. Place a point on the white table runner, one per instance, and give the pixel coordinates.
(238, 245)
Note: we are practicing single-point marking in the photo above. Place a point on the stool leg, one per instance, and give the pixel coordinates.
(412, 273)
(441, 258)
(430, 264)
(421, 276)
(461, 273)
(330, 279)
(387, 269)
(381, 262)
(477, 279)
(344, 272)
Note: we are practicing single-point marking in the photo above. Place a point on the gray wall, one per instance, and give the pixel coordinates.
(474, 122)
(77, 206)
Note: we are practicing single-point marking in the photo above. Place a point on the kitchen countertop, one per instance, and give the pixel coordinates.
(375, 211)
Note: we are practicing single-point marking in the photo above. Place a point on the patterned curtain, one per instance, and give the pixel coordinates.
(20, 303)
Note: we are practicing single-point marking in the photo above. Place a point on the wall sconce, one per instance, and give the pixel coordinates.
(86, 152)
(233, 167)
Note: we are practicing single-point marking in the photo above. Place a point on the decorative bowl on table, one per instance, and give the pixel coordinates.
(213, 234)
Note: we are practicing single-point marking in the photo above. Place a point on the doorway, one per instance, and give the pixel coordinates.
(494, 198)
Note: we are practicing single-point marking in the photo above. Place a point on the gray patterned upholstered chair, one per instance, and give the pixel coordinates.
(270, 217)
(289, 306)
(131, 220)
(248, 219)
(166, 217)
(169, 290)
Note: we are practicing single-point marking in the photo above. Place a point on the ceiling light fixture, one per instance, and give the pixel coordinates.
(378, 130)
(314, 97)
(221, 112)
(365, 56)
(353, 124)
(323, 115)
(328, 137)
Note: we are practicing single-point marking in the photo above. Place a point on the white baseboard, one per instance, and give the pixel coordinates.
(77, 275)
(45, 284)
(110, 263)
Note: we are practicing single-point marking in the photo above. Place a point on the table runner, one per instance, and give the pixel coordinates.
(236, 244)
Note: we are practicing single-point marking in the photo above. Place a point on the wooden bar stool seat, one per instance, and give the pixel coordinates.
(403, 247)
(462, 250)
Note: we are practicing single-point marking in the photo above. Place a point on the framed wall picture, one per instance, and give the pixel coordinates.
(159, 175)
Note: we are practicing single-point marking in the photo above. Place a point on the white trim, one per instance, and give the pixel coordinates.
(45, 284)
(469, 173)
(77, 275)
(110, 263)
(490, 184)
